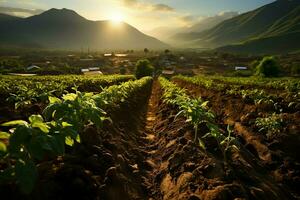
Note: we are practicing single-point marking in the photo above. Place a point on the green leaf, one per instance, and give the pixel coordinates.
(291, 104)
(204, 104)
(4, 135)
(223, 142)
(106, 118)
(15, 123)
(42, 126)
(206, 135)
(69, 141)
(49, 111)
(2, 147)
(78, 138)
(66, 124)
(178, 114)
(36, 118)
(53, 100)
(69, 97)
(202, 144)
(88, 95)
(19, 137)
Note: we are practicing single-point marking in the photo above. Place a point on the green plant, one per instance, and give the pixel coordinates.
(270, 125)
(268, 67)
(64, 120)
(196, 112)
(30, 142)
(22, 91)
(77, 108)
(143, 68)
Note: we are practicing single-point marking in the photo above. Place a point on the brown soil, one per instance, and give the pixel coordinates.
(147, 154)
(279, 154)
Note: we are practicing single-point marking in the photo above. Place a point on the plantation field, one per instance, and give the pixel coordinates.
(115, 137)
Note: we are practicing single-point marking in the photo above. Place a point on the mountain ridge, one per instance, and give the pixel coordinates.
(277, 19)
(67, 30)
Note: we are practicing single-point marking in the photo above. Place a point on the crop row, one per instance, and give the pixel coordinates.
(288, 84)
(198, 114)
(26, 90)
(61, 123)
(286, 100)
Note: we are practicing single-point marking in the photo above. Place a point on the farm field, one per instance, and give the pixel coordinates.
(117, 137)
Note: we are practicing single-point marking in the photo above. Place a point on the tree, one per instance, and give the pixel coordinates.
(122, 70)
(268, 67)
(143, 68)
(167, 51)
(146, 50)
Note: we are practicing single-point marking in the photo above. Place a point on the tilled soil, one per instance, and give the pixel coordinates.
(147, 154)
(279, 154)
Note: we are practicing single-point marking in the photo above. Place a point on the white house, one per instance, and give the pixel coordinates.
(94, 68)
(240, 68)
(91, 71)
(33, 67)
(168, 72)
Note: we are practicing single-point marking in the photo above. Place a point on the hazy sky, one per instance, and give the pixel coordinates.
(145, 15)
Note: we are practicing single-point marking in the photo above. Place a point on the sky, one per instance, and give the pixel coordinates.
(143, 14)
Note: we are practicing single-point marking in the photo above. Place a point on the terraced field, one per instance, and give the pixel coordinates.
(188, 138)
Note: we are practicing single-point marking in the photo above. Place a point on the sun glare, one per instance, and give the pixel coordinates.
(117, 18)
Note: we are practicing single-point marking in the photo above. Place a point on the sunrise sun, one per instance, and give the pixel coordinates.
(117, 17)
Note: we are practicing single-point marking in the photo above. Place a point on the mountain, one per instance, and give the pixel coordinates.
(210, 22)
(4, 17)
(163, 33)
(283, 36)
(65, 29)
(273, 25)
(192, 32)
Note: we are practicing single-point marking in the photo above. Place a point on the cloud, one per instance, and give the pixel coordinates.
(20, 12)
(228, 14)
(148, 6)
(188, 20)
(130, 2)
(162, 7)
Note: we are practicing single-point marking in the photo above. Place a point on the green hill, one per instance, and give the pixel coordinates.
(269, 27)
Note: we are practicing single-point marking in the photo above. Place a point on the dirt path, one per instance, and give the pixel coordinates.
(150, 138)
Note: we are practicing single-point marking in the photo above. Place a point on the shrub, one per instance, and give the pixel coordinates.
(295, 70)
(122, 70)
(268, 67)
(143, 68)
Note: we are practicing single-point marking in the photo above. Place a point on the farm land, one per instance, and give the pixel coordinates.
(159, 137)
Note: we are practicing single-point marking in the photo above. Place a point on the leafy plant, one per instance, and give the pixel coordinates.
(196, 112)
(30, 142)
(270, 125)
(24, 91)
(64, 119)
